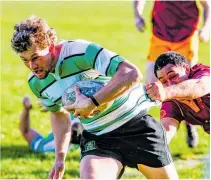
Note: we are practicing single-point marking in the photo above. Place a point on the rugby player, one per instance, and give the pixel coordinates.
(183, 91)
(122, 135)
(174, 28)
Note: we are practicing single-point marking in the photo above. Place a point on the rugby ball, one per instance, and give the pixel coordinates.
(87, 88)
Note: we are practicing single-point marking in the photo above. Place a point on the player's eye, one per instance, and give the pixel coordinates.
(24, 60)
(173, 77)
(163, 82)
(35, 58)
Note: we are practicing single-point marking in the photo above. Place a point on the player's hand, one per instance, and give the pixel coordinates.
(26, 103)
(140, 23)
(204, 34)
(83, 106)
(156, 91)
(57, 171)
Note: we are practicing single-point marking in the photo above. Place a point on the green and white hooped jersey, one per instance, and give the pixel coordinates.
(83, 60)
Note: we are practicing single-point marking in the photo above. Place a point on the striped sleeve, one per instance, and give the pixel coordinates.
(104, 61)
(50, 105)
(31, 80)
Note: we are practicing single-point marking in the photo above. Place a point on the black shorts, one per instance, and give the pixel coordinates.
(142, 140)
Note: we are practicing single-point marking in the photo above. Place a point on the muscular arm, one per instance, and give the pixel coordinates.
(61, 126)
(206, 6)
(189, 89)
(126, 77)
(171, 126)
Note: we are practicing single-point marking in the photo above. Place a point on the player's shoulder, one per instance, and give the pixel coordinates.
(33, 81)
(31, 77)
(75, 41)
(199, 69)
(72, 48)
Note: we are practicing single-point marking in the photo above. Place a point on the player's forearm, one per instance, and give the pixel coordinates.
(189, 89)
(61, 126)
(206, 13)
(125, 78)
(138, 6)
(24, 121)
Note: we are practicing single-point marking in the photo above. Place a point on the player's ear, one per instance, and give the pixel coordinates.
(187, 69)
(51, 48)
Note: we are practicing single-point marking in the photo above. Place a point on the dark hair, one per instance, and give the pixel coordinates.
(30, 31)
(170, 57)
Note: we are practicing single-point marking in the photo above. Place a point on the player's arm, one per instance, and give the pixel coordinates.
(171, 126)
(171, 115)
(189, 89)
(205, 30)
(61, 126)
(107, 63)
(138, 6)
(206, 15)
(126, 76)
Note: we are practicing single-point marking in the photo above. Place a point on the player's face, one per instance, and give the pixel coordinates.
(172, 74)
(38, 61)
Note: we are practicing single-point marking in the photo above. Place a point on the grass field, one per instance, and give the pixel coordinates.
(110, 24)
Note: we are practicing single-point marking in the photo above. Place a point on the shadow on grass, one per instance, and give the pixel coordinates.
(72, 172)
(195, 155)
(43, 174)
(18, 151)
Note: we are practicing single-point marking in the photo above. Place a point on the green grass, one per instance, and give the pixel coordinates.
(110, 24)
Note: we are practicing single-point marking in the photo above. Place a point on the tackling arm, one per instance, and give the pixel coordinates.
(189, 89)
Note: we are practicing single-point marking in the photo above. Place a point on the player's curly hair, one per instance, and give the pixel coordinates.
(30, 31)
(170, 57)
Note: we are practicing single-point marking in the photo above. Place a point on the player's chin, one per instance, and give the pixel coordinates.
(42, 75)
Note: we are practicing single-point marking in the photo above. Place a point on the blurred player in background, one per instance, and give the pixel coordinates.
(183, 90)
(174, 28)
(37, 142)
(122, 135)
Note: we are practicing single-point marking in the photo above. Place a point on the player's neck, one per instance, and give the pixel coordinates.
(55, 55)
(57, 51)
